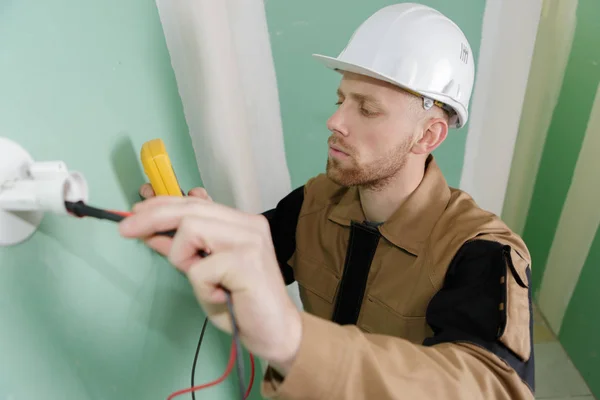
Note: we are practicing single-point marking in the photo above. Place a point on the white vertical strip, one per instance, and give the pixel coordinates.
(221, 55)
(261, 96)
(553, 47)
(507, 44)
(577, 227)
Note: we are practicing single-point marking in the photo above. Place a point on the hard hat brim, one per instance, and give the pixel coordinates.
(341, 66)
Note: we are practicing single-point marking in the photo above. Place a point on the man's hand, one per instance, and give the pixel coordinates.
(147, 192)
(242, 259)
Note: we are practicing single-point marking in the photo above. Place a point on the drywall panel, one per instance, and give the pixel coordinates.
(86, 314)
(552, 50)
(508, 40)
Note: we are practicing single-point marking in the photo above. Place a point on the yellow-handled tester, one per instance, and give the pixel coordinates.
(158, 169)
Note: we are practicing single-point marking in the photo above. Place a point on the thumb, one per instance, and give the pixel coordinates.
(199, 192)
(146, 191)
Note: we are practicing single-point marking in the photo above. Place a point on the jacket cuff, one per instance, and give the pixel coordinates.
(321, 361)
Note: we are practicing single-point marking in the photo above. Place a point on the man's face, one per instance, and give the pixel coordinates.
(373, 132)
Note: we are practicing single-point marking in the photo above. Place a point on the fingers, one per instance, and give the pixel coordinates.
(200, 225)
(200, 193)
(205, 277)
(160, 244)
(186, 243)
(166, 212)
(162, 200)
(146, 191)
(196, 233)
(145, 223)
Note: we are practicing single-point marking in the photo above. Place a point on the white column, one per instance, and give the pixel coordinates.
(507, 44)
(221, 55)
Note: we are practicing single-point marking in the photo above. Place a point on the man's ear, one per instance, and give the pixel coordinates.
(434, 131)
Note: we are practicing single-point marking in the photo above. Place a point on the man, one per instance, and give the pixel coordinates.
(410, 291)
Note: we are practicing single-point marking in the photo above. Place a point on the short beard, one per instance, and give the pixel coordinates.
(374, 176)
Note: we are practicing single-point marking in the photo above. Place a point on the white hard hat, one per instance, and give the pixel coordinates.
(418, 49)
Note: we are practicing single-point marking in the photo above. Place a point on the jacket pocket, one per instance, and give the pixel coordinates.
(376, 317)
(515, 329)
(317, 284)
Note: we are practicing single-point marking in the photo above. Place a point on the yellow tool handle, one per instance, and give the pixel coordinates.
(158, 169)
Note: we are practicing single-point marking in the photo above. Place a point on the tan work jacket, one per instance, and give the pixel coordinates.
(432, 304)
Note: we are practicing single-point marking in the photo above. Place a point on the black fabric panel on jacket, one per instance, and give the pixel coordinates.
(466, 309)
(359, 255)
(283, 220)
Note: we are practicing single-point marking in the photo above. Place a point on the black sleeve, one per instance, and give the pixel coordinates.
(283, 220)
(466, 309)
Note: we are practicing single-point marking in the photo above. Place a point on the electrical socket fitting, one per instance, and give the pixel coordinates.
(28, 189)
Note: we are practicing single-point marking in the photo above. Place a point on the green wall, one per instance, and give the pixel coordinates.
(564, 138)
(86, 314)
(579, 326)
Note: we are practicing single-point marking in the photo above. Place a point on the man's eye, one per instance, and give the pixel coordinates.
(339, 103)
(367, 113)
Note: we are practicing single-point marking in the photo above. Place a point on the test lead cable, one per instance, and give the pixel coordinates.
(80, 209)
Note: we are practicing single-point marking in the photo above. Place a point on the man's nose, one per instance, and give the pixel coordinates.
(337, 123)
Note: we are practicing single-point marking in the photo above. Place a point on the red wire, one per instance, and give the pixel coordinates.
(251, 376)
(228, 370)
(121, 213)
(230, 364)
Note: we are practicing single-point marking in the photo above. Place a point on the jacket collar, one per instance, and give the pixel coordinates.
(412, 223)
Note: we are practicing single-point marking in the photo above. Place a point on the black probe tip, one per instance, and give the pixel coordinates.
(75, 208)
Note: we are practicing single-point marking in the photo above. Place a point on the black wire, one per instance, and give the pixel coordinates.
(238, 350)
(81, 209)
(196, 355)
